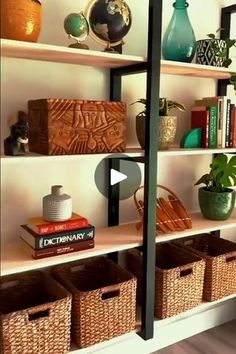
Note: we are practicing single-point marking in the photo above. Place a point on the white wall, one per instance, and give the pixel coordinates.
(24, 183)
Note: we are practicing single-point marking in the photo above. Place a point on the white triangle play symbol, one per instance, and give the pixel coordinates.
(116, 177)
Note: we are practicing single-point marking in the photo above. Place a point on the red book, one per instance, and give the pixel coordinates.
(58, 250)
(200, 119)
(234, 128)
(43, 227)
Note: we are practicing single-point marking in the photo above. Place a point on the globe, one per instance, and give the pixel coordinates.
(110, 20)
(77, 27)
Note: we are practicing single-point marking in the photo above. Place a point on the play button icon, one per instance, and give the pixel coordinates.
(116, 177)
(118, 171)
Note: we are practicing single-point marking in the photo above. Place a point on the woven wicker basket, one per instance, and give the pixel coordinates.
(220, 256)
(35, 315)
(104, 299)
(171, 215)
(178, 279)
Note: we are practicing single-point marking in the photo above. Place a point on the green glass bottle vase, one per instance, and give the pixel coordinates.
(179, 42)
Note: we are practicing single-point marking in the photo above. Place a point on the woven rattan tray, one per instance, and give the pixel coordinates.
(171, 215)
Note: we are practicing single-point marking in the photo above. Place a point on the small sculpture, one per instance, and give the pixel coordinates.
(77, 27)
(17, 143)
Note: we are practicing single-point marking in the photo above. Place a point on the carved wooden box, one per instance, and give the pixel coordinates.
(65, 127)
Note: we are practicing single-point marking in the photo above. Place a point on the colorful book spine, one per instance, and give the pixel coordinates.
(42, 227)
(58, 239)
(218, 102)
(212, 127)
(56, 251)
(227, 133)
(234, 127)
(200, 119)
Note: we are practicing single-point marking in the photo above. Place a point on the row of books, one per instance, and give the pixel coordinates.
(46, 239)
(216, 116)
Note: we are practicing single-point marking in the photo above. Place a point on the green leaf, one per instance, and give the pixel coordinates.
(220, 29)
(224, 171)
(204, 179)
(211, 35)
(230, 42)
(226, 63)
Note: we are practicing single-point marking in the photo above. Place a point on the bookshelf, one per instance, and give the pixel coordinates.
(133, 152)
(180, 325)
(16, 257)
(119, 238)
(59, 54)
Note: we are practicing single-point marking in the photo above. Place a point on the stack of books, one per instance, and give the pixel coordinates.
(46, 239)
(216, 116)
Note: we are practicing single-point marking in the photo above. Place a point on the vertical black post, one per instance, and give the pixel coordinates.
(225, 23)
(149, 220)
(113, 201)
(114, 191)
(113, 194)
(115, 86)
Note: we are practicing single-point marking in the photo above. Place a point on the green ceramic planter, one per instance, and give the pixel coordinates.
(216, 206)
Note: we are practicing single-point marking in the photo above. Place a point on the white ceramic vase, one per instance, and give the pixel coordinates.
(57, 206)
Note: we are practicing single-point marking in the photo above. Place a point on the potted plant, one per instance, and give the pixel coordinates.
(214, 51)
(216, 199)
(167, 124)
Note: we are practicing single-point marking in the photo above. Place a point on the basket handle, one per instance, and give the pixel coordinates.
(230, 257)
(185, 271)
(110, 292)
(9, 284)
(159, 186)
(38, 313)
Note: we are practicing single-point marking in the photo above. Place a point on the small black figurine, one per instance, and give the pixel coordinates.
(17, 143)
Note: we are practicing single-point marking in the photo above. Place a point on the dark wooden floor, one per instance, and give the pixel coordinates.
(219, 340)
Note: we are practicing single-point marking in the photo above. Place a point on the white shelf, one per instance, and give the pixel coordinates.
(173, 151)
(176, 151)
(53, 53)
(32, 156)
(16, 257)
(163, 336)
(194, 70)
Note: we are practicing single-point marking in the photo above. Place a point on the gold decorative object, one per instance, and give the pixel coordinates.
(166, 132)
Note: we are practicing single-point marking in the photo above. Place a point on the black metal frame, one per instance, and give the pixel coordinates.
(226, 13)
(152, 67)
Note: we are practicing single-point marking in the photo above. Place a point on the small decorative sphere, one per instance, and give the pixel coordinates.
(76, 25)
(110, 20)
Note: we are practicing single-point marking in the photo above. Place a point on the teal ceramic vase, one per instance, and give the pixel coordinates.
(216, 206)
(179, 42)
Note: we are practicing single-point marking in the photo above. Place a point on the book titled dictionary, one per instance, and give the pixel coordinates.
(59, 250)
(43, 227)
(57, 239)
